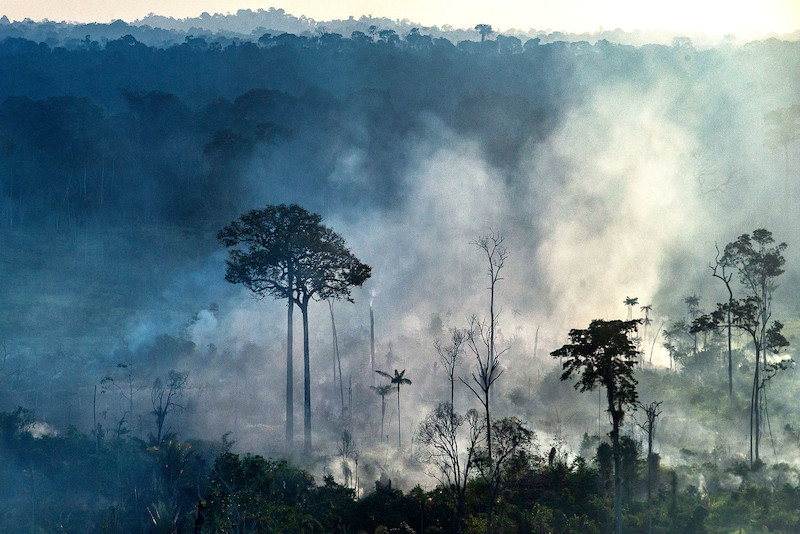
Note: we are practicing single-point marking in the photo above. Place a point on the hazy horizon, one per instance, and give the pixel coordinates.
(714, 17)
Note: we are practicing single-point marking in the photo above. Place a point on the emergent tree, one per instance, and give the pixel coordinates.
(286, 252)
(267, 246)
(605, 355)
(327, 271)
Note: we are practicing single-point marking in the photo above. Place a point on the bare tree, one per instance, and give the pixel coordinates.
(164, 397)
(440, 433)
(450, 355)
(718, 271)
(481, 342)
(652, 412)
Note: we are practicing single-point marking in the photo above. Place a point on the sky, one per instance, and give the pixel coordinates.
(709, 16)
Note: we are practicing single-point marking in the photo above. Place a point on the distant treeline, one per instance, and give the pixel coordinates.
(187, 131)
(247, 25)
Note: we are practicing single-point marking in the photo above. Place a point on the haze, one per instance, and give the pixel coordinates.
(710, 16)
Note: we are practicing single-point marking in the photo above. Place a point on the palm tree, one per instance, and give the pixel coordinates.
(630, 302)
(399, 379)
(382, 391)
(646, 322)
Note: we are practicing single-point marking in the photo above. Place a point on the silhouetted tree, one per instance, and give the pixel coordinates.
(692, 311)
(327, 270)
(510, 442)
(485, 30)
(450, 355)
(604, 355)
(337, 359)
(398, 380)
(267, 246)
(646, 321)
(481, 342)
(439, 433)
(164, 398)
(783, 129)
(652, 412)
(630, 302)
(290, 254)
(758, 263)
(382, 391)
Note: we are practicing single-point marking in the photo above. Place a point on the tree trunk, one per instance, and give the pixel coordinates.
(371, 339)
(452, 392)
(399, 442)
(651, 419)
(337, 357)
(617, 475)
(383, 414)
(333, 338)
(306, 384)
(289, 378)
(490, 486)
(730, 359)
(756, 403)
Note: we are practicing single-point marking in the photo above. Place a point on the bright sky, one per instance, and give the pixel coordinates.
(710, 16)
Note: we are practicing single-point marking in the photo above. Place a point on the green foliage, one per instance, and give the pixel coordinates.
(256, 495)
(136, 489)
(603, 355)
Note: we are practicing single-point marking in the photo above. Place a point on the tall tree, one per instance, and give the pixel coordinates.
(652, 412)
(450, 355)
(481, 342)
(692, 311)
(382, 391)
(164, 398)
(758, 261)
(327, 270)
(646, 321)
(398, 380)
(744, 314)
(783, 130)
(267, 246)
(630, 302)
(337, 359)
(485, 30)
(718, 270)
(605, 355)
(286, 252)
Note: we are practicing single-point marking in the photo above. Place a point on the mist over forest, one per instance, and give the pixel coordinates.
(613, 171)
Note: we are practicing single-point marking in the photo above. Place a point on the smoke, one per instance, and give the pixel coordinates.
(621, 198)
(625, 196)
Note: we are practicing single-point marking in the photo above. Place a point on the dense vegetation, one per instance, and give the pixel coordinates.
(120, 161)
(70, 483)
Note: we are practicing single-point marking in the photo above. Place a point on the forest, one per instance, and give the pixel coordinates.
(538, 283)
